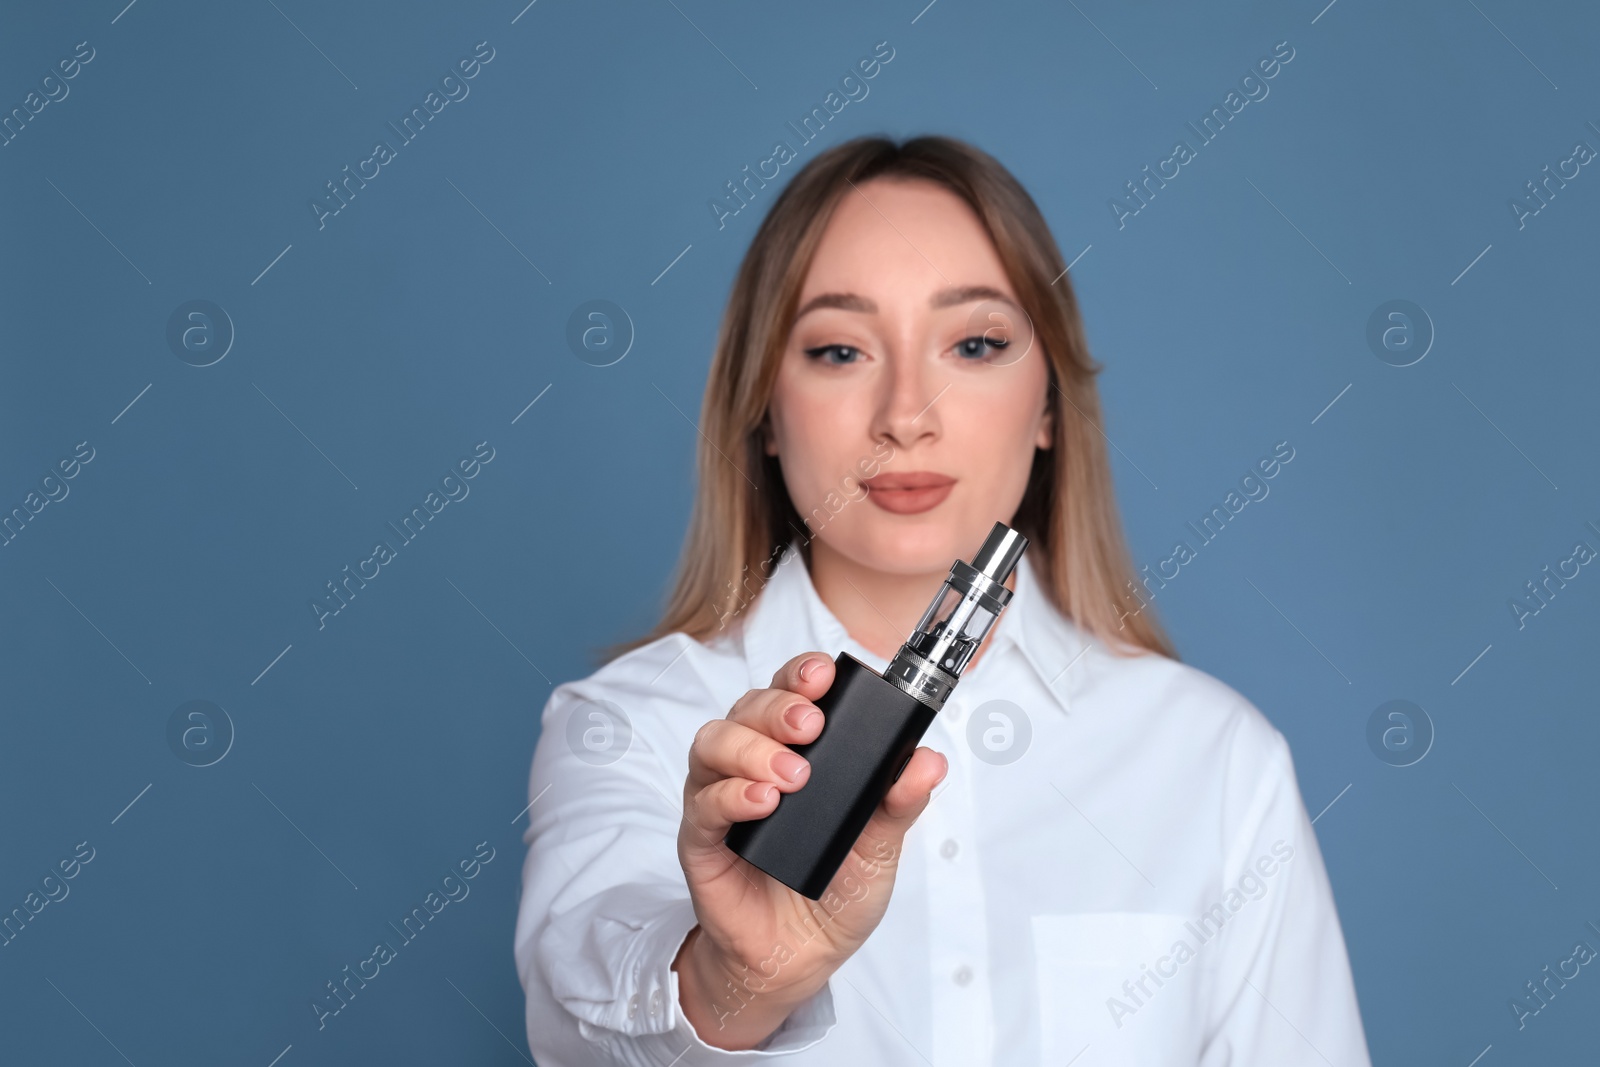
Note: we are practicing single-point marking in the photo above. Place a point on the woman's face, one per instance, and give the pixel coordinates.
(903, 434)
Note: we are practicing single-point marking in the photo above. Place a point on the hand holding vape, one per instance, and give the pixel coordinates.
(872, 724)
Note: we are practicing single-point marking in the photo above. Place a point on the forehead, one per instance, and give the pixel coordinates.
(896, 237)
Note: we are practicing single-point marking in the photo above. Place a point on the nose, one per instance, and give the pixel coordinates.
(908, 409)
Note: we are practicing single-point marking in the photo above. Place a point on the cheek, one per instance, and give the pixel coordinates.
(816, 434)
(1009, 412)
(998, 427)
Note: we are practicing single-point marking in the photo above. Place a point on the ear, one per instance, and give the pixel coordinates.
(1047, 425)
(769, 443)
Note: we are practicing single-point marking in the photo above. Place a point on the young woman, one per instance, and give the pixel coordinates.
(1099, 856)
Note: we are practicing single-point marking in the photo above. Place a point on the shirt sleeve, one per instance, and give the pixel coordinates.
(604, 905)
(1283, 992)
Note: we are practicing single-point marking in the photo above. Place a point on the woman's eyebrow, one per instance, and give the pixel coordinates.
(962, 294)
(965, 294)
(843, 301)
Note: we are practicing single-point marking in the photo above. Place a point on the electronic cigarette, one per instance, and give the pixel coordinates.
(872, 724)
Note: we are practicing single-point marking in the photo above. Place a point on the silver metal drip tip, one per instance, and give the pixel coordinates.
(1000, 552)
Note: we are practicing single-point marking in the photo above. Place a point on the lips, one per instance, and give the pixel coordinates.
(909, 492)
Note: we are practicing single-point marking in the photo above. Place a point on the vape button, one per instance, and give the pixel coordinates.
(949, 849)
(963, 974)
(903, 763)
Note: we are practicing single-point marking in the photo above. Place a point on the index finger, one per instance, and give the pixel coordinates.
(808, 674)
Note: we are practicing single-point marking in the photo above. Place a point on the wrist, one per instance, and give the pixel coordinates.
(789, 981)
(731, 1006)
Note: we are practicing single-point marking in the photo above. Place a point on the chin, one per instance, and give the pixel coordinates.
(908, 544)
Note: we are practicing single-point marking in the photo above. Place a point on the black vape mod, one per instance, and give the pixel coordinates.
(872, 724)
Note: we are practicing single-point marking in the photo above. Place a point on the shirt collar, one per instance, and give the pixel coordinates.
(788, 618)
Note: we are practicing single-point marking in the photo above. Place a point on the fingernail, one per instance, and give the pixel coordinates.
(800, 716)
(809, 668)
(759, 791)
(790, 765)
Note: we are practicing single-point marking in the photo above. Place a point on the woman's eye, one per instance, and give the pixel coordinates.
(979, 347)
(827, 353)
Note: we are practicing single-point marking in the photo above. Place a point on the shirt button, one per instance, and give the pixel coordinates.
(949, 848)
(655, 1003)
(963, 974)
(633, 1005)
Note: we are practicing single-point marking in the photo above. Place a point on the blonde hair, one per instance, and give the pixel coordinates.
(743, 517)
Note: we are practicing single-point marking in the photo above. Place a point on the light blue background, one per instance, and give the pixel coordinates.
(408, 329)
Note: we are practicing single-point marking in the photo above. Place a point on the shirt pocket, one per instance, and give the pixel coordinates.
(1113, 990)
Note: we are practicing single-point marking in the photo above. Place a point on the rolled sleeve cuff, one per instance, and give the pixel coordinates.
(665, 1035)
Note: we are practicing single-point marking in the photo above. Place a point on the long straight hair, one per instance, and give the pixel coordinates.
(743, 517)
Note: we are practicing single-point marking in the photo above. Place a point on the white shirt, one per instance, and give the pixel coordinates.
(1099, 812)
